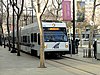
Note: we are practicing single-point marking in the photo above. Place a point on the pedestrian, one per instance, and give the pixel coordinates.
(76, 45)
(95, 49)
(0, 41)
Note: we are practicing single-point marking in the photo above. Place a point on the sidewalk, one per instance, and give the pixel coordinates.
(80, 57)
(11, 64)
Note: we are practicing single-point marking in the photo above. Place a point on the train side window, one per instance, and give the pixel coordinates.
(21, 39)
(38, 38)
(28, 39)
(24, 38)
(32, 37)
(35, 37)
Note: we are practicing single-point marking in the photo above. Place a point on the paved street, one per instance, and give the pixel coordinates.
(11, 64)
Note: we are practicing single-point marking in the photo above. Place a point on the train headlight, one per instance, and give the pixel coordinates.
(66, 46)
(45, 46)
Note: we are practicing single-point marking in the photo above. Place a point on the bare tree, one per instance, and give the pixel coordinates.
(18, 10)
(7, 8)
(58, 7)
(55, 8)
(33, 6)
(39, 15)
(1, 21)
(92, 28)
(81, 26)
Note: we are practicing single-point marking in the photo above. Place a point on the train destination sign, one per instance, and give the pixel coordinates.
(53, 29)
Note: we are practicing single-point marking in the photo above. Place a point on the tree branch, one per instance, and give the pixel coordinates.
(15, 11)
(60, 2)
(97, 5)
(4, 4)
(22, 7)
(15, 5)
(57, 1)
(59, 9)
(44, 7)
(19, 12)
(53, 4)
(11, 3)
(50, 12)
(16, 2)
(33, 5)
(93, 11)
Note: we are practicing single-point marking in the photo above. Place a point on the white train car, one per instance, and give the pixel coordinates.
(55, 38)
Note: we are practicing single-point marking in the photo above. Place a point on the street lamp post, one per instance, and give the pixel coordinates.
(73, 51)
(26, 16)
(31, 9)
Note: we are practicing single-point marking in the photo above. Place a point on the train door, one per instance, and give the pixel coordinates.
(38, 44)
(28, 44)
(35, 48)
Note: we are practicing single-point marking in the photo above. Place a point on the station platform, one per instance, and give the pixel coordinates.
(11, 64)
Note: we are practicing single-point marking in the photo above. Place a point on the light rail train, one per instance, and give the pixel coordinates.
(55, 38)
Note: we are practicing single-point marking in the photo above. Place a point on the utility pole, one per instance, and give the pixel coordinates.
(26, 16)
(32, 9)
(32, 15)
(13, 48)
(73, 27)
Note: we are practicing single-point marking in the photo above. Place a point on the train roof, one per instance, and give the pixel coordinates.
(52, 21)
(30, 26)
(45, 24)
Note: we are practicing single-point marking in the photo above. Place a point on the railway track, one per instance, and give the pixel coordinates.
(79, 60)
(75, 66)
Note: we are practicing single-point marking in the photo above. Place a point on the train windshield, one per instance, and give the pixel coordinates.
(55, 35)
